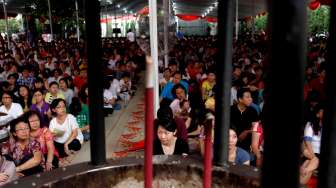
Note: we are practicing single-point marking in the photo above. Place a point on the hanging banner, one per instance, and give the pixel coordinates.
(187, 17)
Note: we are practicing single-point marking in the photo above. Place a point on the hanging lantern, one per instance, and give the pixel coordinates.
(314, 5)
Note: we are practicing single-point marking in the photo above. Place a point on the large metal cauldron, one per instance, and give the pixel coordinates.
(169, 172)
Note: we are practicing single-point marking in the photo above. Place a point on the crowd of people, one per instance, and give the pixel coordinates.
(44, 99)
(187, 90)
(44, 116)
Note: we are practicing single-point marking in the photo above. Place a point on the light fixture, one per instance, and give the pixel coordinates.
(118, 5)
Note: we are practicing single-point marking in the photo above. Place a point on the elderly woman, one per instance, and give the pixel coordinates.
(45, 138)
(22, 149)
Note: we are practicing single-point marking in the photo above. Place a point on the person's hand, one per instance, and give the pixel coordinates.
(49, 166)
(19, 174)
(3, 177)
(66, 149)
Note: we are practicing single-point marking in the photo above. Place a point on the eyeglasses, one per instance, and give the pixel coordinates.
(22, 129)
(6, 97)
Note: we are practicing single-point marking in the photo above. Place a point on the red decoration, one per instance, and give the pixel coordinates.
(211, 19)
(314, 5)
(144, 11)
(187, 17)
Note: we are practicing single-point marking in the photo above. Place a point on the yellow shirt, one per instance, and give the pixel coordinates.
(49, 98)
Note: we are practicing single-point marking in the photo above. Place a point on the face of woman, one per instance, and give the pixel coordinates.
(6, 100)
(38, 96)
(34, 122)
(164, 135)
(180, 94)
(23, 92)
(60, 108)
(211, 77)
(320, 114)
(232, 139)
(22, 131)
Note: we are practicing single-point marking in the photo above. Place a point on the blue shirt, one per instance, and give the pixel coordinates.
(167, 90)
(241, 156)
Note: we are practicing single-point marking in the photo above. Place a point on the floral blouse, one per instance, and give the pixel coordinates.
(43, 136)
(19, 156)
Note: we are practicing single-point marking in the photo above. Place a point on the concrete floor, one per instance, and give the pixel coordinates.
(115, 126)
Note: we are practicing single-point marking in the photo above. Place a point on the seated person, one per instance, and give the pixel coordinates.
(7, 171)
(64, 126)
(13, 110)
(237, 155)
(81, 112)
(53, 93)
(45, 138)
(22, 149)
(166, 142)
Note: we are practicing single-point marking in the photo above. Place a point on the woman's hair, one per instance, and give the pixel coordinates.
(31, 113)
(16, 121)
(75, 106)
(168, 124)
(315, 121)
(82, 95)
(21, 99)
(165, 112)
(55, 103)
(8, 93)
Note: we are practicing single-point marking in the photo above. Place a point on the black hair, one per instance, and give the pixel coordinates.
(14, 75)
(31, 113)
(53, 83)
(38, 80)
(75, 107)
(178, 86)
(241, 91)
(165, 112)
(16, 121)
(168, 124)
(55, 103)
(8, 93)
(126, 74)
(315, 121)
(22, 100)
(177, 72)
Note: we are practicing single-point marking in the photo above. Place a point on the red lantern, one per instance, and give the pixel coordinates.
(314, 5)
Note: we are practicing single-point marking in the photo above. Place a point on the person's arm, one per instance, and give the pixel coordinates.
(255, 147)
(50, 148)
(35, 161)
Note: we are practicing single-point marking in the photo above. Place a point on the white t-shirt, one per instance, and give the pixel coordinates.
(68, 95)
(108, 96)
(14, 112)
(311, 137)
(115, 87)
(69, 124)
(112, 63)
(131, 36)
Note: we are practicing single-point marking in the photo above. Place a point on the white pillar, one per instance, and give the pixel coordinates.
(166, 31)
(50, 21)
(77, 20)
(154, 50)
(6, 18)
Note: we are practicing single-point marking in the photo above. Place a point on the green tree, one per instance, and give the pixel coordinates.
(14, 25)
(318, 20)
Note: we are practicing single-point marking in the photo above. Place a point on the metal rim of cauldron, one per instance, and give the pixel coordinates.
(62, 174)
